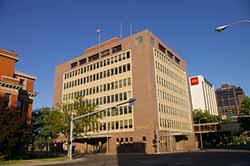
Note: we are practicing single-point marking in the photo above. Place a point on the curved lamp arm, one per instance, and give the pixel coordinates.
(223, 27)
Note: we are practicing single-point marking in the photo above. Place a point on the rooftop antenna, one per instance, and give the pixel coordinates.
(98, 31)
(130, 29)
(121, 30)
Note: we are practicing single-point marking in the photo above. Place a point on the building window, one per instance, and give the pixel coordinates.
(128, 55)
(82, 61)
(162, 48)
(120, 69)
(144, 138)
(170, 55)
(129, 81)
(5, 102)
(177, 60)
(116, 125)
(120, 110)
(105, 53)
(121, 124)
(126, 139)
(130, 109)
(125, 124)
(74, 64)
(128, 67)
(125, 109)
(124, 68)
(21, 82)
(93, 57)
(130, 125)
(117, 48)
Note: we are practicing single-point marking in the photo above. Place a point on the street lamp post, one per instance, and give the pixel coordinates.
(200, 131)
(132, 100)
(223, 27)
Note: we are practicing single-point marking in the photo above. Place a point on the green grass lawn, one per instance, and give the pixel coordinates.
(34, 160)
(53, 159)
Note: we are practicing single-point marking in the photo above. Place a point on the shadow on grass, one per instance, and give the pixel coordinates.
(33, 160)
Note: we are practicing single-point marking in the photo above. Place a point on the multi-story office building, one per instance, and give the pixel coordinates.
(16, 88)
(229, 98)
(141, 67)
(203, 94)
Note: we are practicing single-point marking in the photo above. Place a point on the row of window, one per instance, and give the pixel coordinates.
(161, 81)
(128, 140)
(172, 111)
(98, 76)
(113, 125)
(162, 95)
(124, 140)
(174, 124)
(96, 56)
(118, 97)
(122, 110)
(97, 65)
(230, 110)
(98, 89)
(168, 61)
(163, 69)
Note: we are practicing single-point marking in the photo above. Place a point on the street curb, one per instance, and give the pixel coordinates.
(223, 150)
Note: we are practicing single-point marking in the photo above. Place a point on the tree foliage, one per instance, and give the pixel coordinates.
(49, 123)
(204, 116)
(245, 106)
(15, 134)
(77, 108)
(245, 111)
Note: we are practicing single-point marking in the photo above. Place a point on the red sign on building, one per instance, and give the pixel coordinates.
(194, 81)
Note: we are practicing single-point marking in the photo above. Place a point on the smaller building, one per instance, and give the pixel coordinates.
(203, 94)
(16, 88)
(229, 98)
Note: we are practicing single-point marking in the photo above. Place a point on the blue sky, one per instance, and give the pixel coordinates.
(48, 32)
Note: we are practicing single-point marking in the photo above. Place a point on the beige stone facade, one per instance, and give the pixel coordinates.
(141, 67)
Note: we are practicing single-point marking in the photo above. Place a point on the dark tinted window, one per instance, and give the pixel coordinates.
(82, 61)
(93, 57)
(74, 64)
(162, 48)
(117, 48)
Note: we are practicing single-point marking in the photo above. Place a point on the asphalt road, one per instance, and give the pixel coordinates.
(173, 159)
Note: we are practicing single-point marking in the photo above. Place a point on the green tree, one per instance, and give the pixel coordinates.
(79, 107)
(245, 106)
(15, 134)
(204, 115)
(49, 123)
(245, 110)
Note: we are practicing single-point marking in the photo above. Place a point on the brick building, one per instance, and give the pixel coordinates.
(16, 88)
(229, 98)
(140, 66)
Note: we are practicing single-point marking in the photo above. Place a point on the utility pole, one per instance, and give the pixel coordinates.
(200, 131)
(121, 30)
(71, 137)
(130, 29)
